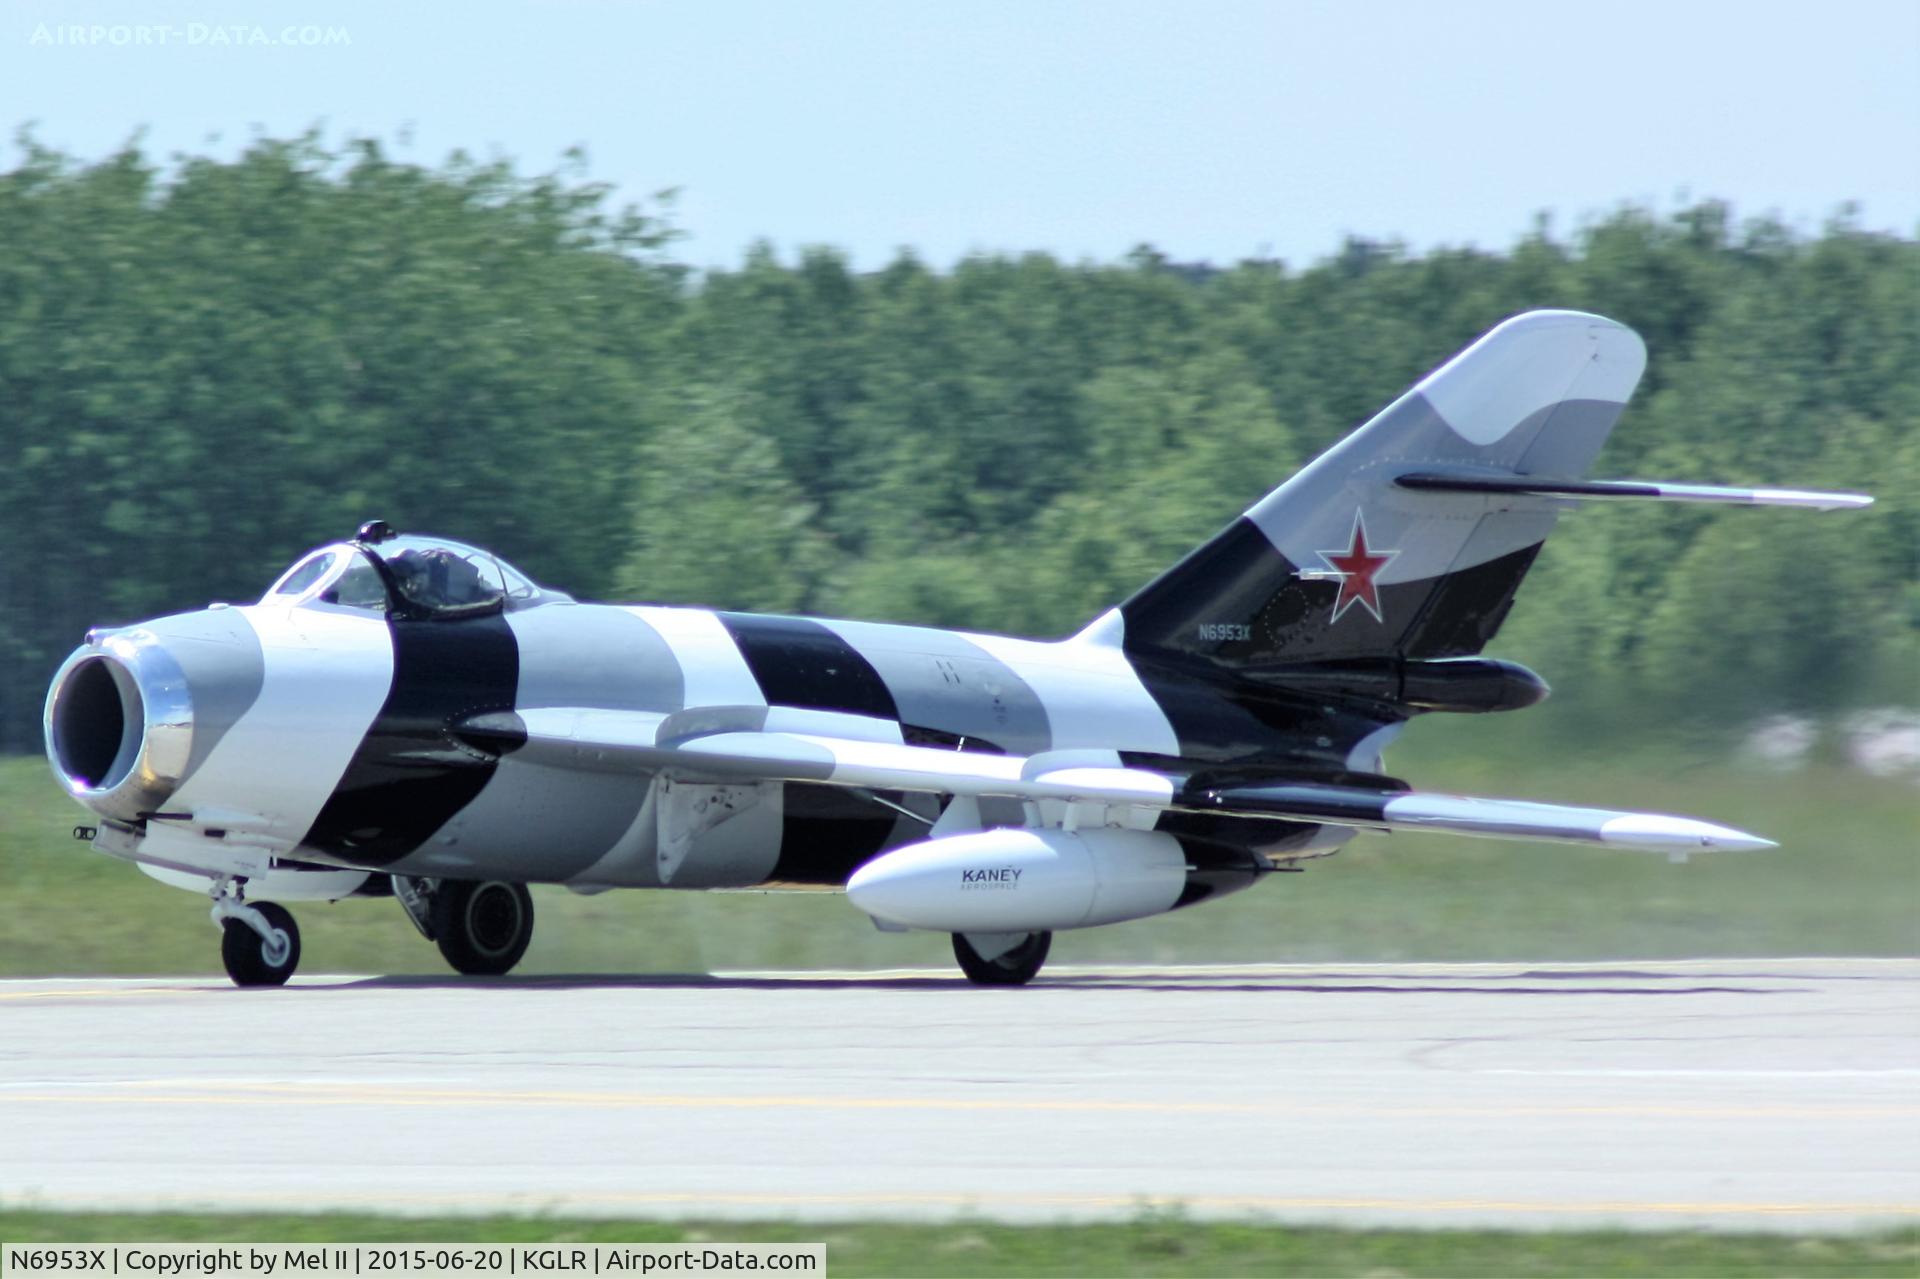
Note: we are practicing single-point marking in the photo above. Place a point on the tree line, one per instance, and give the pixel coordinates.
(209, 365)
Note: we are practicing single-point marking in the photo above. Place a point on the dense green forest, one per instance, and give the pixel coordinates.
(207, 366)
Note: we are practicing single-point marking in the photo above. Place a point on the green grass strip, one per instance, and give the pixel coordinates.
(1155, 1243)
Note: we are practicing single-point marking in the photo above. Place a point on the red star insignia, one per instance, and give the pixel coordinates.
(1357, 566)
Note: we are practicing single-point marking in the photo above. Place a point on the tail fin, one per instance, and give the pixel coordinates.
(1342, 561)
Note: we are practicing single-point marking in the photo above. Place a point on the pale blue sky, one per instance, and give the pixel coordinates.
(1213, 130)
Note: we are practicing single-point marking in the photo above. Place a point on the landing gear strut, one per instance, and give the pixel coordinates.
(482, 926)
(259, 944)
(1001, 959)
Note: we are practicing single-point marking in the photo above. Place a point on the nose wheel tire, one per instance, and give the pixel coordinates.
(1014, 967)
(253, 960)
(482, 926)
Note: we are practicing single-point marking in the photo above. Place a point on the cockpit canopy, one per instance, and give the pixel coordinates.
(408, 576)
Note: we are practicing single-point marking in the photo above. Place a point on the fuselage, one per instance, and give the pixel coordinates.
(330, 732)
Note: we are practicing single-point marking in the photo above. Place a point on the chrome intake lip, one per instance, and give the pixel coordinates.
(121, 761)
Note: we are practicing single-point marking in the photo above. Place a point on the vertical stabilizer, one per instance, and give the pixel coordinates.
(1342, 562)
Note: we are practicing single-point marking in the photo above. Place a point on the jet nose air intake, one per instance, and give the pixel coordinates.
(132, 712)
(119, 724)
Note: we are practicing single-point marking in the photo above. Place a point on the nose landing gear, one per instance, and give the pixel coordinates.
(259, 944)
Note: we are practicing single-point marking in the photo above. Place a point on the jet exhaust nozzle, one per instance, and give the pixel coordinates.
(119, 724)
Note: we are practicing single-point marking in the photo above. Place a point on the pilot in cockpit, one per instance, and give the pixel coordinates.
(438, 578)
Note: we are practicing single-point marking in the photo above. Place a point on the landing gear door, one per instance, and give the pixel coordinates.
(717, 834)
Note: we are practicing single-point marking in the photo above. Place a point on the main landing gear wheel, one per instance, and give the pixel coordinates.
(1012, 967)
(482, 926)
(253, 960)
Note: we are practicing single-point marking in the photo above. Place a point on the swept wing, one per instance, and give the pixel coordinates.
(829, 748)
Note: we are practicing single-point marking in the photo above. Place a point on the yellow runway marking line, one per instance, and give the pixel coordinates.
(185, 1093)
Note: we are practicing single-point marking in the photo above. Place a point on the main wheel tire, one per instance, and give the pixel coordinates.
(482, 926)
(1015, 967)
(252, 960)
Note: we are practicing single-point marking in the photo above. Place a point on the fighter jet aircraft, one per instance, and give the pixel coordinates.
(411, 717)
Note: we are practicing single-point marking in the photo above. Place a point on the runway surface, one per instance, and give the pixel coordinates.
(1738, 1094)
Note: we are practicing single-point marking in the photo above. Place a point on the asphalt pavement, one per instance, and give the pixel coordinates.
(1741, 1094)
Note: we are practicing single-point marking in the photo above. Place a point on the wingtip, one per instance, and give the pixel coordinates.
(1662, 833)
(1816, 499)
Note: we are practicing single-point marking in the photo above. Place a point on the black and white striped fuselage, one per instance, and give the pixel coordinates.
(351, 748)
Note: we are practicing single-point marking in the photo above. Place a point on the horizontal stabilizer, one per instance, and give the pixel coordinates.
(1624, 490)
(1468, 815)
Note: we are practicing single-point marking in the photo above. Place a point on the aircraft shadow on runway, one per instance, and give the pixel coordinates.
(1329, 983)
